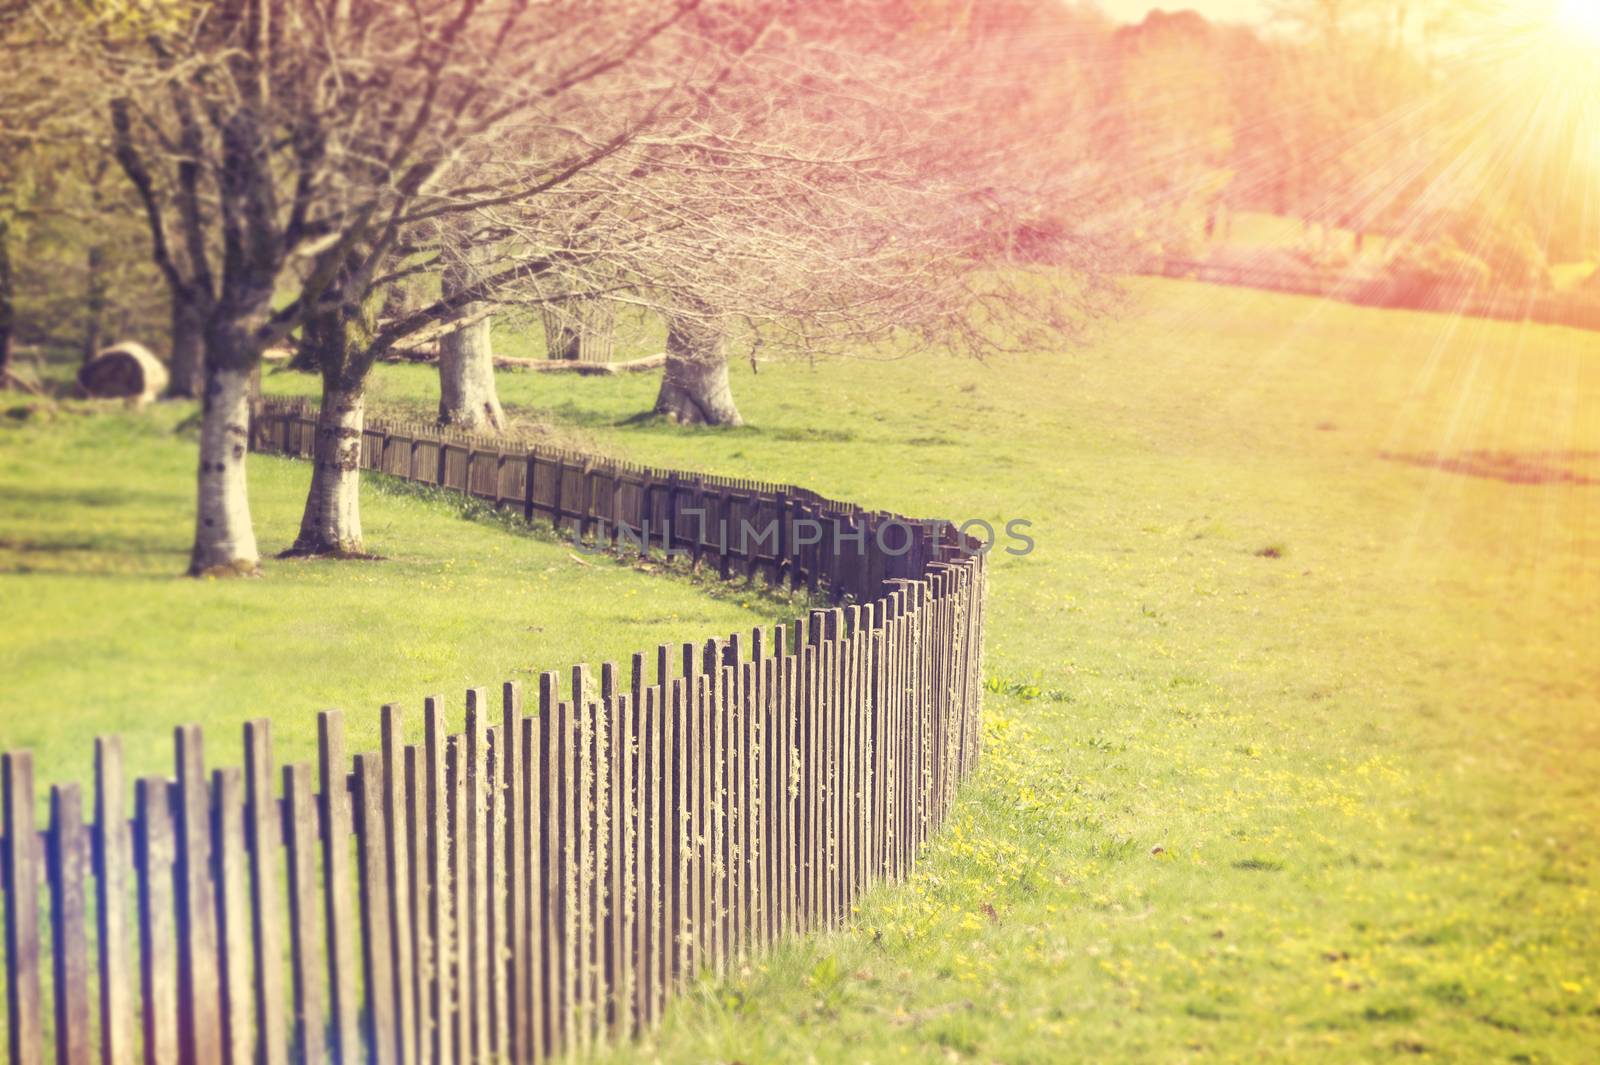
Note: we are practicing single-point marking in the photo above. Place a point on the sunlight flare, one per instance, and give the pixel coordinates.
(1582, 17)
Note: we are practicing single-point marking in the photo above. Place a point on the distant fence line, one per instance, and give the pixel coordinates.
(843, 554)
(1574, 311)
(540, 882)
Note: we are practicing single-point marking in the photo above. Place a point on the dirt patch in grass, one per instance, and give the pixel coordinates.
(1512, 467)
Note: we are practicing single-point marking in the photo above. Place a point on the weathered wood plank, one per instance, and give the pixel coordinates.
(681, 811)
(789, 784)
(397, 874)
(68, 924)
(738, 758)
(476, 988)
(339, 918)
(305, 933)
(199, 991)
(880, 756)
(759, 699)
(416, 827)
(497, 934)
(233, 916)
(583, 854)
(514, 831)
(811, 797)
(721, 690)
(706, 816)
(655, 834)
(624, 837)
(551, 898)
(262, 832)
(439, 954)
(158, 935)
(459, 957)
(607, 825)
(114, 861)
(533, 996)
(377, 953)
(850, 705)
(768, 710)
(566, 785)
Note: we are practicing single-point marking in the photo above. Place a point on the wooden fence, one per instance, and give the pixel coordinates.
(536, 884)
(754, 529)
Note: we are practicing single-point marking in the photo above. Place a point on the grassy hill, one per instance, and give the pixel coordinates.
(1291, 743)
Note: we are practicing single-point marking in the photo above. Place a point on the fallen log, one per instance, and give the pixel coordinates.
(590, 369)
(505, 362)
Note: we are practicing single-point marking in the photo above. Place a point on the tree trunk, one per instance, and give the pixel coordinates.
(188, 348)
(331, 523)
(94, 302)
(224, 539)
(7, 305)
(695, 388)
(561, 333)
(580, 330)
(467, 397)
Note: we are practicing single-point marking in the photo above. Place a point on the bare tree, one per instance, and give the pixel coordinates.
(853, 183)
(587, 102)
(283, 149)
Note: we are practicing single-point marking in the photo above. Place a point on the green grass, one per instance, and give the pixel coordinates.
(1335, 804)
(1335, 800)
(1292, 750)
(103, 634)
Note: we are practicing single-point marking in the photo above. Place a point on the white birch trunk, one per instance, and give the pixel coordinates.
(224, 539)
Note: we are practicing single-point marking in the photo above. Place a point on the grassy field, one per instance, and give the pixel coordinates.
(1292, 745)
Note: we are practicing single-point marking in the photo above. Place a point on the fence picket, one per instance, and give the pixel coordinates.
(199, 991)
(233, 919)
(496, 936)
(263, 832)
(678, 816)
(474, 901)
(436, 812)
(620, 888)
(158, 936)
(550, 862)
(113, 860)
(457, 1017)
(377, 957)
(68, 927)
(339, 921)
(305, 933)
(582, 922)
(514, 967)
(397, 875)
(415, 818)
